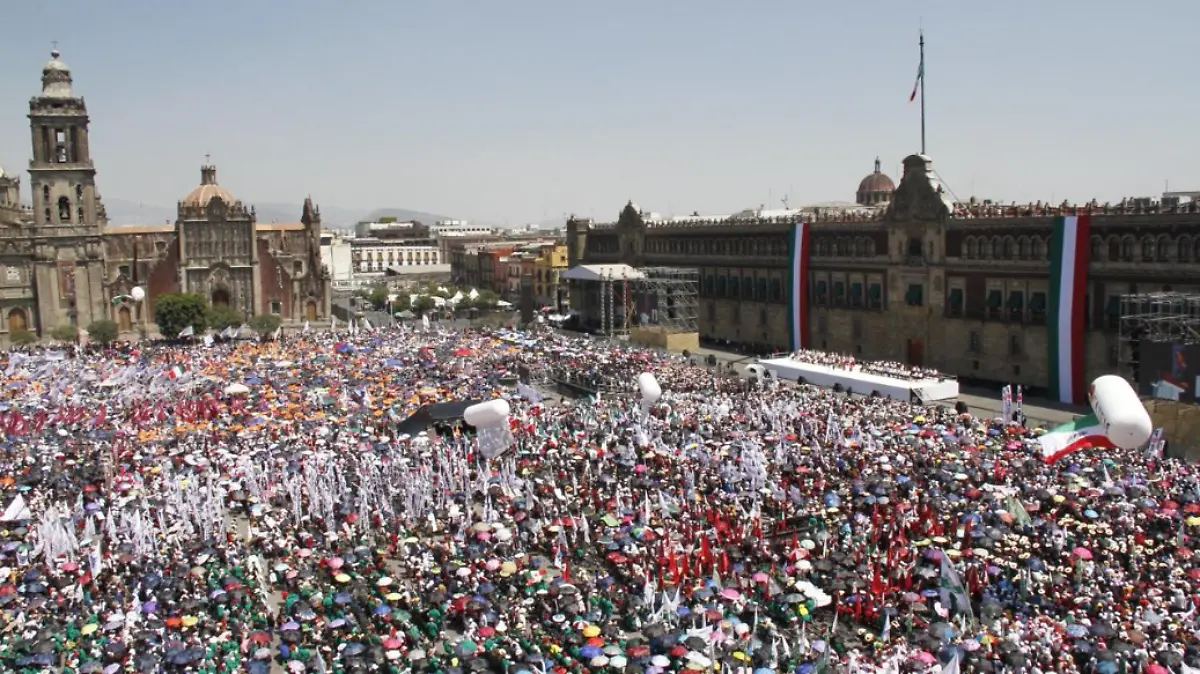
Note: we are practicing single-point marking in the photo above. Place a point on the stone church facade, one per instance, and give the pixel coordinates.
(61, 263)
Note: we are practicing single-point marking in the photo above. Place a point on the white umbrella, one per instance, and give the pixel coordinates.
(237, 389)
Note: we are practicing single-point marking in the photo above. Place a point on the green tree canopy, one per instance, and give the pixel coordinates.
(378, 297)
(220, 318)
(65, 333)
(175, 311)
(103, 331)
(22, 337)
(265, 324)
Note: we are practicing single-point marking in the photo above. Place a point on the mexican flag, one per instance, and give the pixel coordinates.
(798, 295)
(1083, 433)
(1066, 319)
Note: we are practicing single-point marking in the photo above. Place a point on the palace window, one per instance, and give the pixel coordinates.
(839, 293)
(64, 210)
(1037, 306)
(995, 300)
(975, 341)
(875, 296)
(820, 291)
(1016, 305)
(856, 294)
(954, 302)
(915, 297)
(1112, 312)
(760, 290)
(1016, 347)
(776, 290)
(276, 307)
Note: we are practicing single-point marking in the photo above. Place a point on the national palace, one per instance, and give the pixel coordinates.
(907, 274)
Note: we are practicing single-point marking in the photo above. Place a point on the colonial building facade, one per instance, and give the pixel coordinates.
(64, 264)
(962, 288)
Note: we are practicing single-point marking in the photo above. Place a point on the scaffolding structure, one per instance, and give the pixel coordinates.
(1170, 317)
(615, 304)
(667, 298)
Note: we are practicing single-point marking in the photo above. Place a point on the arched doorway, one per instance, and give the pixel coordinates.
(17, 321)
(220, 297)
(310, 311)
(125, 319)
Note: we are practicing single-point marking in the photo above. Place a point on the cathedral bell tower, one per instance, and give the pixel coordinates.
(67, 214)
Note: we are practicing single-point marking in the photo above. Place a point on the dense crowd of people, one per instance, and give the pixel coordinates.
(882, 368)
(250, 507)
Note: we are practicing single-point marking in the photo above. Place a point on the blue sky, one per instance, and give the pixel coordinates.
(524, 110)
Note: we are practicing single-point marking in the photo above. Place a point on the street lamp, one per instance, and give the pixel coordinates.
(138, 295)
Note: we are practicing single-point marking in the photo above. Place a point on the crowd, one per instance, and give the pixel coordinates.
(882, 368)
(251, 508)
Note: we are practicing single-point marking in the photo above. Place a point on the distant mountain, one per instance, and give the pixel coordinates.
(125, 212)
(401, 215)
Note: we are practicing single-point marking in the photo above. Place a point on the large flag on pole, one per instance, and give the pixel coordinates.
(920, 76)
(798, 295)
(1083, 433)
(1066, 321)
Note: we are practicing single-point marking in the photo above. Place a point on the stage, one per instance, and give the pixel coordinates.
(930, 390)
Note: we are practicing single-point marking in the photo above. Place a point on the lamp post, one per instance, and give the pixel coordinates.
(138, 294)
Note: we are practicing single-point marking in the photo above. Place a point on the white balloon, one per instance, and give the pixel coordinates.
(487, 414)
(138, 293)
(1120, 412)
(649, 387)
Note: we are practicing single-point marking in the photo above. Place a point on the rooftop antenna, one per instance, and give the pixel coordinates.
(784, 199)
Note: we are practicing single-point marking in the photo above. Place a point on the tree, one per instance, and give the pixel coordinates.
(220, 318)
(487, 299)
(265, 324)
(65, 333)
(102, 331)
(424, 304)
(378, 297)
(22, 337)
(175, 311)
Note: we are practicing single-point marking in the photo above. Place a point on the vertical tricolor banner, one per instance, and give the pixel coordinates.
(1066, 321)
(798, 295)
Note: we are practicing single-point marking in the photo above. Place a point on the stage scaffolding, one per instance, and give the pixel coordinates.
(662, 297)
(669, 298)
(1171, 317)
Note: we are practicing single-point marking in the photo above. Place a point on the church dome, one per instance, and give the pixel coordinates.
(56, 78)
(207, 190)
(876, 188)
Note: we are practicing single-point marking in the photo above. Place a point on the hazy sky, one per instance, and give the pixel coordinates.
(523, 110)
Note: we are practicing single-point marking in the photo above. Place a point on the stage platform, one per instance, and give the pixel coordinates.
(930, 390)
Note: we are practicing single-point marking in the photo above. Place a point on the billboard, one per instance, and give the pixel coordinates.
(1169, 371)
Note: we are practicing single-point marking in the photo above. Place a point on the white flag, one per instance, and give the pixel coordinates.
(189, 331)
(278, 332)
(307, 327)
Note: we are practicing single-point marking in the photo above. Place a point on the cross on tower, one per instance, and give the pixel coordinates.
(206, 159)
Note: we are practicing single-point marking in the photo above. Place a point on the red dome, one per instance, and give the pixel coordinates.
(876, 188)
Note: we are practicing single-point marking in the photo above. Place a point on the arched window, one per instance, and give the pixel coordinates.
(1097, 248)
(1010, 248)
(1026, 248)
(985, 249)
(1127, 249)
(1185, 248)
(1040, 250)
(997, 248)
(1164, 252)
(46, 192)
(64, 210)
(1148, 249)
(1114, 249)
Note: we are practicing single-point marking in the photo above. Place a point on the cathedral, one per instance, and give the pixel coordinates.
(63, 264)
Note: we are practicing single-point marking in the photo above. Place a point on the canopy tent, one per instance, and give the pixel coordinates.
(434, 414)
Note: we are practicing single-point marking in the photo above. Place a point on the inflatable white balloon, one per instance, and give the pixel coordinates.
(649, 387)
(138, 293)
(491, 413)
(1120, 412)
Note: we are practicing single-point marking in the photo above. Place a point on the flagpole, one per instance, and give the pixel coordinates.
(922, 44)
